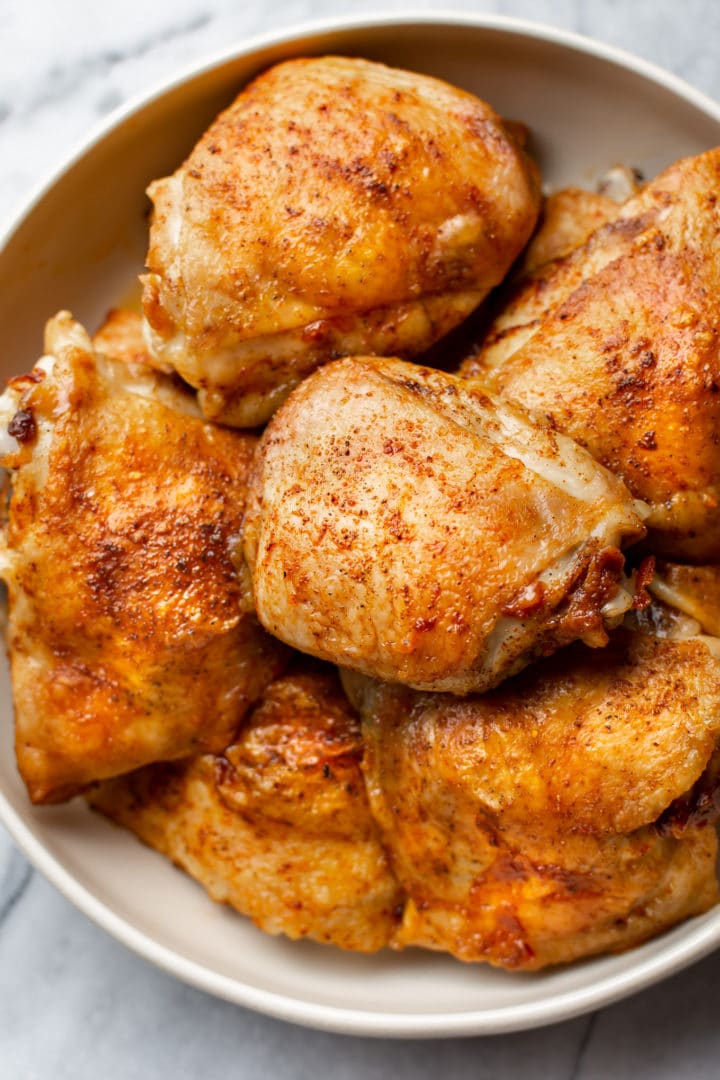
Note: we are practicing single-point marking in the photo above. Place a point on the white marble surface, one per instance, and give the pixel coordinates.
(73, 1003)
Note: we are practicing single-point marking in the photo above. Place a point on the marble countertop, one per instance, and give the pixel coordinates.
(73, 1003)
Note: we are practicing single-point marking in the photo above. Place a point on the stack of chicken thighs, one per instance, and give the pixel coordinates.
(388, 635)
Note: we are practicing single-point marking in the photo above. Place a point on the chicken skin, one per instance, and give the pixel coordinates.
(559, 816)
(404, 524)
(121, 337)
(336, 207)
(619, 347)
(569, 217)
(279, 825)
(131, 635)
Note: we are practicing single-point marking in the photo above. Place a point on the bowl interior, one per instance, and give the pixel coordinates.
(80, 247)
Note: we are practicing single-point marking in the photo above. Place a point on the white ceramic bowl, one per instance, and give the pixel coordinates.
(78, 244)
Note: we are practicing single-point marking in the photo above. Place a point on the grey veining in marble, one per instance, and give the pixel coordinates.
(75, 1005)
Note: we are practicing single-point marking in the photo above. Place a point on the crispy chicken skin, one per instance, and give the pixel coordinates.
(131, 635)
(337, 207)
(538, 824)
(619, 347)
(406, 525)
(278, 826)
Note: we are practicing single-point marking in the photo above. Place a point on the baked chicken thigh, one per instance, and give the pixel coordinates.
(619, 346)
(403, 523)
(564, 814)
(337, 207)
(278, 825)
(131, 635)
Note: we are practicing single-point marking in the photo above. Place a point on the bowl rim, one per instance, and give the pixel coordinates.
(700, 936)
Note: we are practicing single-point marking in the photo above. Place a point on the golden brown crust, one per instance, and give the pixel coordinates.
(278, 826)
(131, 637)
(618, 344)
(524, 916)
(294, 233)
(522, 823)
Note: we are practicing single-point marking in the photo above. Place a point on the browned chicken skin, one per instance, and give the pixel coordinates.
(121, 337)
(337, 207)
(278, 826)
(131, 636)
(405, 525)
(566, 814)
(529, 826)
(619, 347)
(569, 217)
